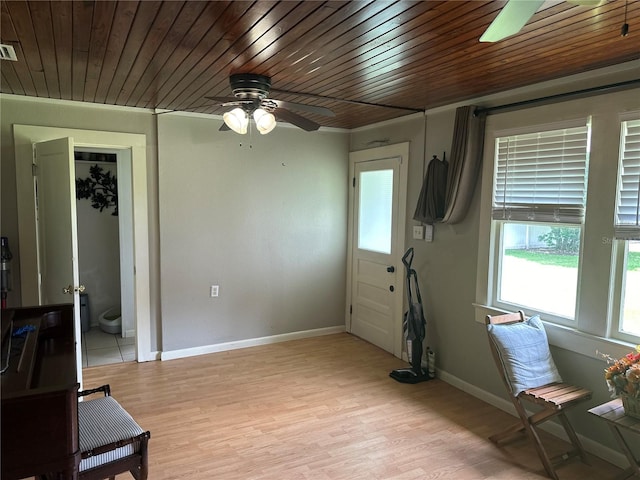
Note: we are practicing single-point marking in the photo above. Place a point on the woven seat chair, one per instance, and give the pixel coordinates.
(521, 351)
(111, 441)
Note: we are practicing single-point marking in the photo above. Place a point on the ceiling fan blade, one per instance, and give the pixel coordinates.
(222, 99)
(295, 119)
(345, 100)
(301, 107)
(513, 16)
(231, 101)
(587, 3)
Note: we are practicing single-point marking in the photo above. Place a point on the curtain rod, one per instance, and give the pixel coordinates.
(613, 87)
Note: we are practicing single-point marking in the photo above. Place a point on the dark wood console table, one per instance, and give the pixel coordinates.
(613, 413)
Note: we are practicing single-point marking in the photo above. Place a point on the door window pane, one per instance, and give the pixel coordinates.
(539, 267)
(631, 294)
(376, 200)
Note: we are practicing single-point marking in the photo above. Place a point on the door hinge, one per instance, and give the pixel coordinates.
(34, 169)
(354, 182)
(350, 309)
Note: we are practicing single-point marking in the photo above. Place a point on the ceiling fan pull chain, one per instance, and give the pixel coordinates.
(625, 26)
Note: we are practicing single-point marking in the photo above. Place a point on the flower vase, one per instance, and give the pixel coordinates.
(631, 405)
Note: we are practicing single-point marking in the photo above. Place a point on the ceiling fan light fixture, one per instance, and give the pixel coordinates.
(237, 120)
(250, 95)
(265, 121)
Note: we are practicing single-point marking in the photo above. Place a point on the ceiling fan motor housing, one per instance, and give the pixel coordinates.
(250, 86)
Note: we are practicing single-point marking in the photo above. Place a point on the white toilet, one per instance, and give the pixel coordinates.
(110, 321)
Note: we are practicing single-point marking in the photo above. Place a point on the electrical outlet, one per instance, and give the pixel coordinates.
(418, 232)
(214, 290)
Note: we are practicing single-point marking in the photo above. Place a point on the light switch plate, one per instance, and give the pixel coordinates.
(428, 233)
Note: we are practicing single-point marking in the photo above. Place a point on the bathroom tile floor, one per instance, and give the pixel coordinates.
(100, 348)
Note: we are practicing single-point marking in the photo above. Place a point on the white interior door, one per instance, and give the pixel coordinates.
(377, 225)
(127, 254)
(57, 229)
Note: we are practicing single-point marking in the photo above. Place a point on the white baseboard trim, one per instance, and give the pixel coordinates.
(591, 446)
(250, 342)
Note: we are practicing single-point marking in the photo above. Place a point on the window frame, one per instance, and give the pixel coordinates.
(592, 331)
(620, 264)
(620, 254)
(497, 224)
(498, 232)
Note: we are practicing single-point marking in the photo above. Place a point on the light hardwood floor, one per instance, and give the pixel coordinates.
(322, 409)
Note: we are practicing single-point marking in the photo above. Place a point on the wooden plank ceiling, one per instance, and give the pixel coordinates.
(411, 54)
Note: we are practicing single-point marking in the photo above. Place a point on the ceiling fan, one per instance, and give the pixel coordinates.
(250, 99)
(515, 15)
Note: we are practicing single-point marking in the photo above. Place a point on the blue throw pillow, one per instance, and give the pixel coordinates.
(523, 349)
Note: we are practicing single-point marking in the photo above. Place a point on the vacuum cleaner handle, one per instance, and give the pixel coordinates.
(408, 255)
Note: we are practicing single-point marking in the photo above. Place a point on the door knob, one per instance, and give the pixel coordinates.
(80, 289)
(68, 289)
(391, 269)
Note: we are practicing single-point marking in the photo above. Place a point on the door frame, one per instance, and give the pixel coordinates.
(379, 153)
(24, 138)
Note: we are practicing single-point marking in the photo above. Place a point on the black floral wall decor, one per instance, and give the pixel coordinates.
(100, 187)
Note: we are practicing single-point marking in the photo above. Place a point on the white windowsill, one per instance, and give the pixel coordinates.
(569, 338)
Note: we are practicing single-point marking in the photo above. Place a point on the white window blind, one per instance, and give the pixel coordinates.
(542, 176)
(627, 224)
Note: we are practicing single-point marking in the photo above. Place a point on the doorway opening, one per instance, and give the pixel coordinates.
(131, 149)
(108, 330)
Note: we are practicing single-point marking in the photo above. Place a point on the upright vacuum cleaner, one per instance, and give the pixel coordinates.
(414, 326)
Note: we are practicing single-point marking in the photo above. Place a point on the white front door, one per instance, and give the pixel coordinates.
(376, 233)
(57, 229)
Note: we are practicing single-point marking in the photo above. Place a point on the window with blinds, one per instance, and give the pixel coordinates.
(627, 224)
(542, 176)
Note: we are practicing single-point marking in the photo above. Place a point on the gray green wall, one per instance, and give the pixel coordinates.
(262, 217)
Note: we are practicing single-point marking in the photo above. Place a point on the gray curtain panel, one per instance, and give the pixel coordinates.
(464, 163)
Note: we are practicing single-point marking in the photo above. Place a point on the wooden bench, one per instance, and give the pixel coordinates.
(111, 442)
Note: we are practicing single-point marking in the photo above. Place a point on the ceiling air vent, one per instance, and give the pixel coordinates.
(7, 52)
